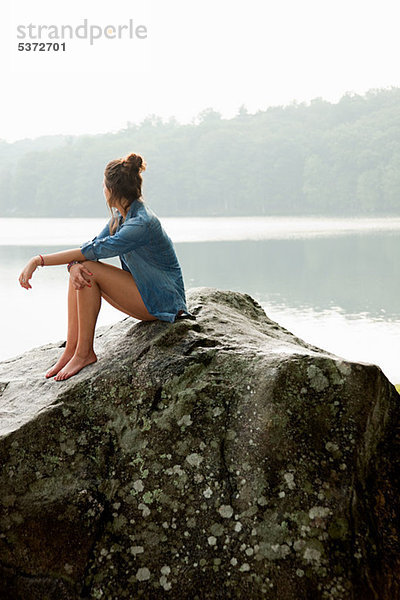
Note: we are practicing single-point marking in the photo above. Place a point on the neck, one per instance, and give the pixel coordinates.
(120, 209)
(123, 211)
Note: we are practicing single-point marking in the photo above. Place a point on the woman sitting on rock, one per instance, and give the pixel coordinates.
(149, 285)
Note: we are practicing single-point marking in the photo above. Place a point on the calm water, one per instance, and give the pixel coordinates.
(332, 282)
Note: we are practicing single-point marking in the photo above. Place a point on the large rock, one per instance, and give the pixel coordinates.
(215, 458)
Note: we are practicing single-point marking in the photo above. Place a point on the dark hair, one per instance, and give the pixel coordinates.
(122, 177)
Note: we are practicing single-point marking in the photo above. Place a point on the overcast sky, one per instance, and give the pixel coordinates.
(214, 53)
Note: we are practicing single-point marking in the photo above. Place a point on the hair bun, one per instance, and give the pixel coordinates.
(134, 162)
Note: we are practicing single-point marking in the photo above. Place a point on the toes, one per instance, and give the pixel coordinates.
(53, 371)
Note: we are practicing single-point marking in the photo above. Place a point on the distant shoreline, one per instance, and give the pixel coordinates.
(52, 231)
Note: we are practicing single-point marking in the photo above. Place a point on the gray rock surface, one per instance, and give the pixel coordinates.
(208, 459)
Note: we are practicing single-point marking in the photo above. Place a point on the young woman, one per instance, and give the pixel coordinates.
(149, 285)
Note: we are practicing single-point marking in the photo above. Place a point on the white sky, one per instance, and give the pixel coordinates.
(214, 53)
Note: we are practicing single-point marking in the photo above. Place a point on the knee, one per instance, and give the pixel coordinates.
(90, 264)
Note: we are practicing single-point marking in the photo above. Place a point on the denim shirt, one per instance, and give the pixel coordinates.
(147, 252)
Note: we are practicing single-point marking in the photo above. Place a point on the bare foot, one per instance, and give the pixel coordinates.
(76, 363)
(62, 361)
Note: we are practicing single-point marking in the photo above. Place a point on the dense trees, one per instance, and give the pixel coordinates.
(316, 158)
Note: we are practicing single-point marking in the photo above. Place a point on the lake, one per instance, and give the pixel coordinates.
(332, 282)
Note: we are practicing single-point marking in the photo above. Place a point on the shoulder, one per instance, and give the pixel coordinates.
(144, 216)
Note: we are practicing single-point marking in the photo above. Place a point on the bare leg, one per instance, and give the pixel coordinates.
(72, 333)
(89, 302)
(119, 288)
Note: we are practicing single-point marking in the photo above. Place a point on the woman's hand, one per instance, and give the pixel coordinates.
(79, 276)
(28, 271)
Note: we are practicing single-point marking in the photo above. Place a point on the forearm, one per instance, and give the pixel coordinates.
(59, 258)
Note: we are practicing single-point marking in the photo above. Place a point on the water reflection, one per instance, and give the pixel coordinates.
(356, 273)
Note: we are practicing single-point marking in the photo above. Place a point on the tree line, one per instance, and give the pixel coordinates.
(316, 158)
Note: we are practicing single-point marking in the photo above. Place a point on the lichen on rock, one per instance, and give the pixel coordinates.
(216, 458)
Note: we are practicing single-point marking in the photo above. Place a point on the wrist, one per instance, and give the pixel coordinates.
(36, 261)
(71, 264)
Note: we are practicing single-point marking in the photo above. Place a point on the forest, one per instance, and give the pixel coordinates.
(316, 158)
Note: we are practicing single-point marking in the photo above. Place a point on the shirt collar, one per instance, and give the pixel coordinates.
(132, 209)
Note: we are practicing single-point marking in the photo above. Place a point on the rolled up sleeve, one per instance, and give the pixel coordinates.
(129, 237)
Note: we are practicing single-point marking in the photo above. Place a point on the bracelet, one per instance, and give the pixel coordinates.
(42, 260)
(73, 262)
